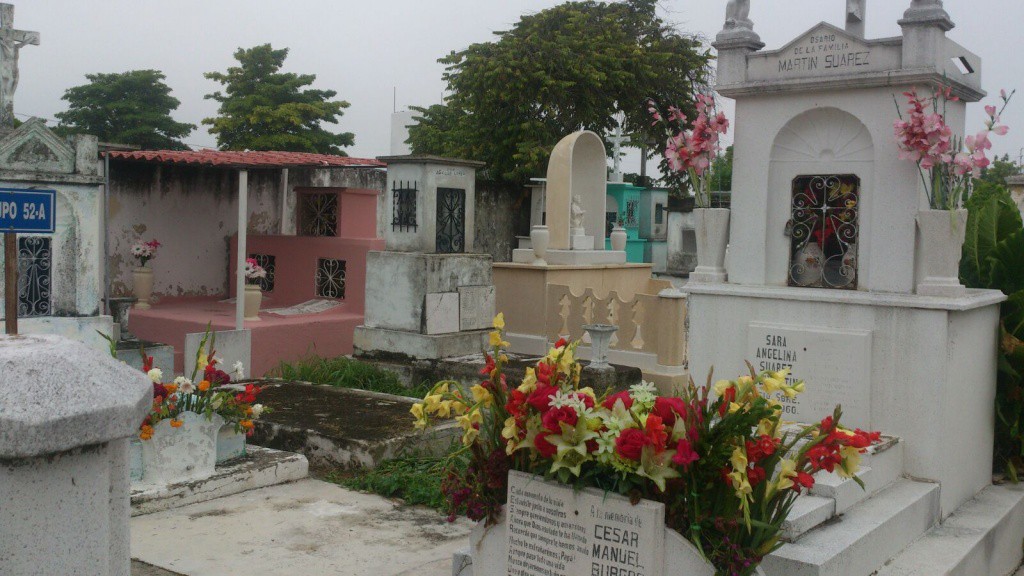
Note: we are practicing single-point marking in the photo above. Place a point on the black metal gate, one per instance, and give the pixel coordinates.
(451, 220)
(34, 267)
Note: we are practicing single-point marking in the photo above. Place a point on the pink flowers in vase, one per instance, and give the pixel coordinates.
(253, 271)
(951, 162)
(145, 251)
(692, 151)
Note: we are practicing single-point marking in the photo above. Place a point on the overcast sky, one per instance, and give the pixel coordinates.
(366, 50)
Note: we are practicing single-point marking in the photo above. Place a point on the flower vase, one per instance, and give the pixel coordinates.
(182, 453)
(540, 237)
(940, 244)
(142, 282)
(253, 299)
(711, 226)
(618, 238)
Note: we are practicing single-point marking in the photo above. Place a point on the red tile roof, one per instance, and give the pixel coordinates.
(228, 159)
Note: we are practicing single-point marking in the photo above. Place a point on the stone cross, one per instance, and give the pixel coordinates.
(617, 140)
(11, 41)
(855, 17)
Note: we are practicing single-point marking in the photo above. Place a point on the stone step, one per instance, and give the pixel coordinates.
(983, 536)
(832, 495)
(859, 542)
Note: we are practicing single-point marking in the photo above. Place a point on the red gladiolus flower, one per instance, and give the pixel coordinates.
(609, 402)
(514, 406)
(486, 370)
(630, 444)
(562, 343)
(685, 455)
(654, 429)
(767, 445)
(543, 372)
(756, 475)
(802, 480)
(727, 398)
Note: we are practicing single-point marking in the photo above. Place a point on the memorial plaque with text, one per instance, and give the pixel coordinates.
(554, 531)
(835, 364)
(824, 51)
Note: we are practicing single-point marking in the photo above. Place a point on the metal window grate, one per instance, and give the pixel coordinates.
(330, 278)
(269, 263)
(34, 273)
(319, 214)
(823, 231)
(403, 211)
(632, 210)
(451, 220)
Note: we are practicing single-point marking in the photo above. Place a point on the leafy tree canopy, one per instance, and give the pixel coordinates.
(997, 172)
(563, 69)
(132, 107)
(262, 108)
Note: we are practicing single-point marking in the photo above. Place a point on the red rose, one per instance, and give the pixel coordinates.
(587, 400)
(546, 449)
(553, 418)
(592, 446)
(540, 399)
(685, 455)
(669, 408)
(630, 444)
(159, 391)
(609, 402)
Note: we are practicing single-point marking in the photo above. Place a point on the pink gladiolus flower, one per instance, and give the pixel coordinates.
(991, 111)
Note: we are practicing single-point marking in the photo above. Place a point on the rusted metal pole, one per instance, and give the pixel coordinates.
(10, 283)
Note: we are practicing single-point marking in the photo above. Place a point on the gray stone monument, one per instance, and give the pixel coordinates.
(66, 414)
(11, 41)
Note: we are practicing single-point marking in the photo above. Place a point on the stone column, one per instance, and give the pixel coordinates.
(66, 413)
(736, 40)
(924, 25)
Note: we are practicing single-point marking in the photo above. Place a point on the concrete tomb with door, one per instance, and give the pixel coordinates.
(428, 296)
(823, 265)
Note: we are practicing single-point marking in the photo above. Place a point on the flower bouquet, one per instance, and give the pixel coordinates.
(718, 456)
(142, 277)
(254, 273)
(145, 251)
(188, 418)
(689, 153)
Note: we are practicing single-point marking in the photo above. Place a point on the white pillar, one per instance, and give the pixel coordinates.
(64, 484)
(243, 225)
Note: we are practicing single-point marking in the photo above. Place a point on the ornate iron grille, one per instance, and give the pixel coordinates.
(451, 220)
(34, 268)
(823, 231)
(330, 278)
(632, 209)
(269, 263)
(319, 214)
(403, 210)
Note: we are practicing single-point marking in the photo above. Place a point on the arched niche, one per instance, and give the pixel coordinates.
(821, 145)
(578, 166)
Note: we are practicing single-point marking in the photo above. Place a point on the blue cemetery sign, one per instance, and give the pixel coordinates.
(24, 211)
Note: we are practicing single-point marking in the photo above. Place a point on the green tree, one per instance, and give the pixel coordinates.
(997, 172)
(132, 107)
(563, 69)
(262, 108)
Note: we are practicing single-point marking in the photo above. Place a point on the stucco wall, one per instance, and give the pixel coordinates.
(192, 212)
(498, 210)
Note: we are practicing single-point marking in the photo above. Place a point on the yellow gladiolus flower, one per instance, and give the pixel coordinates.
(499, 321)
(529, 383)
(721, 386)
(430, 403)
(444, 409)
(481, 395)
(496, 341)
(510, 430)
(851, 462)
(739, 459)
(470, 436)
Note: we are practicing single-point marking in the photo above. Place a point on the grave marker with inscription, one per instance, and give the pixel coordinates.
(825, 50)
(835, 364)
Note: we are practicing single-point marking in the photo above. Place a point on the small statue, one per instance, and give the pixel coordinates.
(855, 10)
(737, 15)
(576, 218)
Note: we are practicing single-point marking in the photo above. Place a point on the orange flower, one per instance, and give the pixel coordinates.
(145, 432)
(175, 423)
(171, 388)
(248, 410)
(247, 424)
(204, 385)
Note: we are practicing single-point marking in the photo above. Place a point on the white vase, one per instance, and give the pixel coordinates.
(142, 283)
(178, 454)
(939, 248)
(711, 226)
(618, 238)
(253, 300)
(808, 265)
(539, 239)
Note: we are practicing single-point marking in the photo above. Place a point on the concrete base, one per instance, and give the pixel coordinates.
(260, 468)
(163, 355)
(371, 342)
(572, 257)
